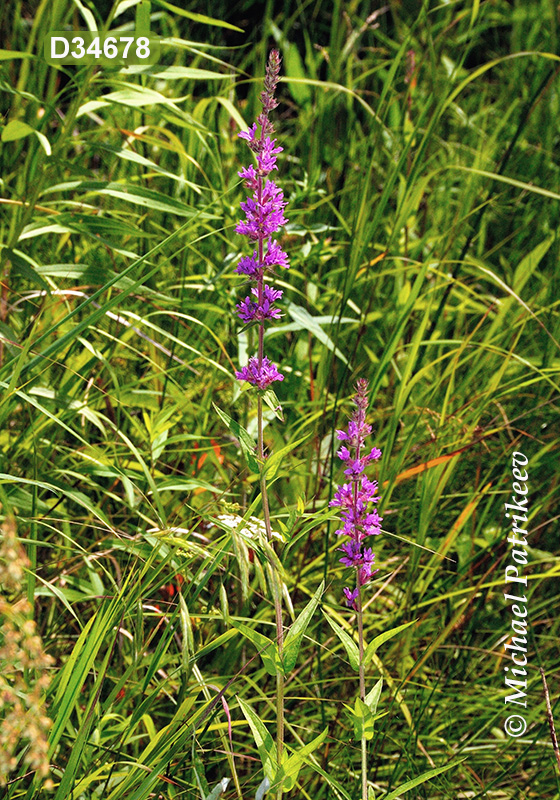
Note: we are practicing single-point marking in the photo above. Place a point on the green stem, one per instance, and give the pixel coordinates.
(362, 684)
(276, 582)
(277, 599)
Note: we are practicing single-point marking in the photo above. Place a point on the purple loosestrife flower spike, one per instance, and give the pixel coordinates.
(355, 498)
(264, 216)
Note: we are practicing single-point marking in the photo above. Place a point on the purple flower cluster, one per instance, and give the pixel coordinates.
(264, 216)
(260, 375)
(356, 497)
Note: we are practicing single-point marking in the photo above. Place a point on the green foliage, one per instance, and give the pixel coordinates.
(292, 642)
(421, 166)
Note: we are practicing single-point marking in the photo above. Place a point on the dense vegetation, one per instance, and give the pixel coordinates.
(421, 165)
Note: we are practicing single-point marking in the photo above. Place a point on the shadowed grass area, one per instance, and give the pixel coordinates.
(421, 167)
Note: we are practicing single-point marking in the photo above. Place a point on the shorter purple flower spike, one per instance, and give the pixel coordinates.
(262, 376)
(355, 497)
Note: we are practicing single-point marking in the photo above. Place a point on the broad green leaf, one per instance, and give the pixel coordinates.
(263, 740)
(90, 107)
(293, 639)
(248, 445)
(383, 637)
(349, 644)
(15, 130)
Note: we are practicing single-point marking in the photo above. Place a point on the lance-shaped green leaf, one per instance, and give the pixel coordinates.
(278, 458)
(349, 644)
(291, 765)
(372, 697)
(425, 776)
(186, 634)
(362, 719)
(247, 443)
(295, 634)
(263, 740)
(383, 637)
(273, 403)
(268, 650)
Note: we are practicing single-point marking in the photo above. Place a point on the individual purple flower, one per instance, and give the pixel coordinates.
(344, 453)
(248, 266)
(343, 496)
(264, 216)
(351, 596)
(352, 554)
(250, 176)
(250, 308)
(354, 498)
(250, 134)
(355, 468)
(261, 375)
(266, 158)
(275, 256)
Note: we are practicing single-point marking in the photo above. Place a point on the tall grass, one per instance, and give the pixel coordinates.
(421, 162)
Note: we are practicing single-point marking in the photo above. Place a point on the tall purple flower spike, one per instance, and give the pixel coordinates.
(357, 497)
(264, 216)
